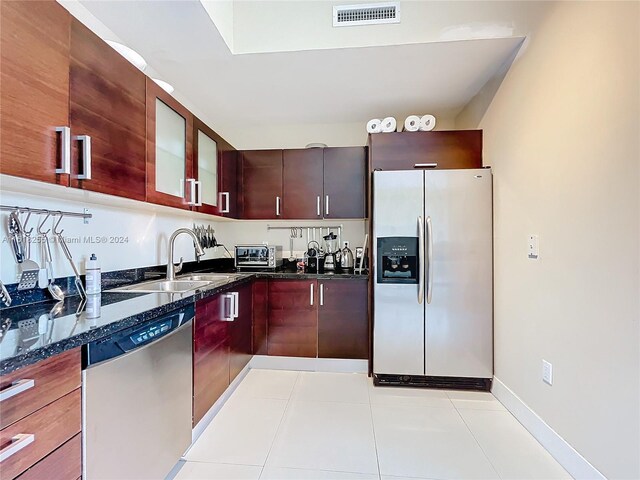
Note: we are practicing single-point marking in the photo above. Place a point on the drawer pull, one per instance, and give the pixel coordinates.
(17, 443)
(16, 388)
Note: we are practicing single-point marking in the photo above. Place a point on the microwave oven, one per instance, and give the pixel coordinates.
(258, 256)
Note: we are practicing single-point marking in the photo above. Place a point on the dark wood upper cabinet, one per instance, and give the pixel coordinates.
(292, 329)
(436, 149)
(240, 331)
(261, 179)
(302, 183)
(34, 98)
(343, 322)
(213, 163)
(210, 354)
(170, 179)
(228, 182)
(345, 173)
(107, 116)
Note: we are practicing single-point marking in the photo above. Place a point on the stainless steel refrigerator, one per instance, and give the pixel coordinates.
(433, 278)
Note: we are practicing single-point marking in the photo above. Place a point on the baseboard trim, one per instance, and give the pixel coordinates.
(332, 365)
(574, 463)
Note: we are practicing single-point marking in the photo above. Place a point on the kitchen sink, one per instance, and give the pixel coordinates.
(164, 286)
(185, 283)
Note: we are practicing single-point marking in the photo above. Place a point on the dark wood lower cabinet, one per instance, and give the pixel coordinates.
(293, 318)
(65, 463)
(210, 355)
(343, 323)
(240, 332)
(260, 316)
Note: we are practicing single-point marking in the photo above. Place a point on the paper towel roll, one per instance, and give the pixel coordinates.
(374, 125)
(427, 123)
(412, 123)
(388, 124)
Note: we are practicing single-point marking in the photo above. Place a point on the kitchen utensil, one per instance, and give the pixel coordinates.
(346, 259)
(29, 269)
(4, 295)
(56, 292)
(67, 253)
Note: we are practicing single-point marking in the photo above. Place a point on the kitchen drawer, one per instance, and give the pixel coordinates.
(38, 385)
(63, 464)
(46, 429)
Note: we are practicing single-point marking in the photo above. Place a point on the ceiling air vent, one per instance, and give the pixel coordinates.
(366, 14)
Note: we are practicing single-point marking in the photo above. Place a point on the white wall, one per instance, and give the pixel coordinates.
(562, 135)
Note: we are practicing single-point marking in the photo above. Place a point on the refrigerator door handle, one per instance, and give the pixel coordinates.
(429, 259)
(422, 260)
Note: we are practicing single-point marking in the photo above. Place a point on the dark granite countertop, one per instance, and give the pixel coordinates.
(60, 329)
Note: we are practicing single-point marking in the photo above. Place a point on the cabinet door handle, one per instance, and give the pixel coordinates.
(311, 294)
(223, 196)
(277, 206)
(18, 442)
(318, 206)
(65, 150)
(198, 185)
(321, 294)
(85, 142)
(236, 304)
(425, 165)
(16, 388)
(192, 191)
(326, 205)
(230, 304)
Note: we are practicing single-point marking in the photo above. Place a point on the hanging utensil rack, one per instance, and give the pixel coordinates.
(44, 211)
(311, 231)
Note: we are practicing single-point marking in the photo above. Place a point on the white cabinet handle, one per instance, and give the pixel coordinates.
(227, 297)
(277, 206)
(16, 388)
(192, 191)
(425, 165)
(326, 205)
(85, 142)
(65, 150)
(18, 442)
(198, 184)
(236, 304)
(224, 195)
(318, 205)
(321, 294)
(311, 294)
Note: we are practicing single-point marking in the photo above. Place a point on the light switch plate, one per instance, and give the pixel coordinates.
(547, 372)
(533, 247)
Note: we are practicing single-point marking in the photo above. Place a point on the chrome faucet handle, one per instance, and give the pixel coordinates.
(178, 266)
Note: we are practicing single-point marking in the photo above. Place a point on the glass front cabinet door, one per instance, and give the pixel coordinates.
(170, 179)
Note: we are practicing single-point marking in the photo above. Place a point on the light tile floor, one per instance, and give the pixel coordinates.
(338, 426)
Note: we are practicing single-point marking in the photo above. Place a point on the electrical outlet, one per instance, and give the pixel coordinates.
(547, 372)
(533, 247)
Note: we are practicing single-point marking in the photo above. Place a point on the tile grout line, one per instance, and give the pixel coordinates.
(284, 414)
(373, 427)
(476, 440)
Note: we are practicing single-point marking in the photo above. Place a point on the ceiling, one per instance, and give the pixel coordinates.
(337, 85)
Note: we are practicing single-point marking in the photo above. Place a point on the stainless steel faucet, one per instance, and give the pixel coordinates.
(173, 269)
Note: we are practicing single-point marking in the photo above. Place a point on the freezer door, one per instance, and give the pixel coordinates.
(398, 315)
(459, 316)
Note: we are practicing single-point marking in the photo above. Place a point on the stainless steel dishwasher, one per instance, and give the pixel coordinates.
(137, 391)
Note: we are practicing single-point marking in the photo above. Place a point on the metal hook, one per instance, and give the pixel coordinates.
(41, 224)
(55, 227)
(24, 225)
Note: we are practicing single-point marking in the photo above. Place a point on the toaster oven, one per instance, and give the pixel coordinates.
(258, 256)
